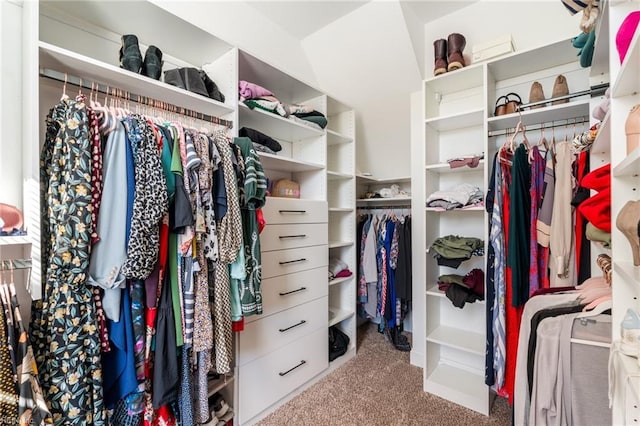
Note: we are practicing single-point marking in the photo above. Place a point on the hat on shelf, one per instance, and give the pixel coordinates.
(10, 217)
(597, 210)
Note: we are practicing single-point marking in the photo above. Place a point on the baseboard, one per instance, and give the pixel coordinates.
(416, 358)
(334, 365)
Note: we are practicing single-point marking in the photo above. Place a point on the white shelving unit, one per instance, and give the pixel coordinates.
(341, 184)
(458, 121)
(625, 186)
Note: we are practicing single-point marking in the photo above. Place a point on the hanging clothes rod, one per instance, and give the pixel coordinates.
(386, 207)
(560, 123)
(15, 264)
(131, 97)
(593, 91)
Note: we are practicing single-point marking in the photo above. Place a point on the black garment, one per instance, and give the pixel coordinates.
(313, 113)
(166, 375)
(460, 295)
(452, 263)
(581, 194)
(533, 335)
(359, 229)
(519, 250)
(404, 278)
(260, 138)
(489, 373)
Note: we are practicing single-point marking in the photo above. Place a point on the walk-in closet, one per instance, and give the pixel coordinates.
(319, 212)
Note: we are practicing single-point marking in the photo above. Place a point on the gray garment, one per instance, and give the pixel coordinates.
(545, 212)
(372, 301)
(369, 259)
(521, 398)
(589, 374)
(109, 254)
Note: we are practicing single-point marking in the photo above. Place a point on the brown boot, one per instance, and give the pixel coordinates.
(560, 88)
(455, 46)
(440, 51)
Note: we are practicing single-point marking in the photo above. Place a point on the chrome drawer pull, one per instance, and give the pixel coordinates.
(292, 211)
(282, 330)
(303, 362)
(282, 237)
(292, 291)
(292, 261)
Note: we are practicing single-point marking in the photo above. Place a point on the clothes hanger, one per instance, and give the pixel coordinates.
(64, 88)
(603, 306)
(597, 302)
(592, 294)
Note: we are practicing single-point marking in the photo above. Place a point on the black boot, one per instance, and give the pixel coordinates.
(130, 56)
(152, 65)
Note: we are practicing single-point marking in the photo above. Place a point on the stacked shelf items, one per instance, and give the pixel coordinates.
(341, 185)
(454, 347)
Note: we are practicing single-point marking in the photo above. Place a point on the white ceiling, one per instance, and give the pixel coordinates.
(302, 18)
(429, 10)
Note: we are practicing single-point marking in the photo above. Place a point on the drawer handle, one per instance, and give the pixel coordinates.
(292, 291)
(282, 330)
(303, 362)
(282, 237)
(293, 261)
(292, 211)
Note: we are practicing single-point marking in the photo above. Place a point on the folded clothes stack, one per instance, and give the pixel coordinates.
(460, 196)
(260, 141)
(338, 269)
(452, 250)
(471, 161)
(463, 289)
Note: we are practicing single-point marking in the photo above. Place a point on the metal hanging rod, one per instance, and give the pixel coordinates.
(559, 123)
(128, 96)
(593, 91)
(15, 264)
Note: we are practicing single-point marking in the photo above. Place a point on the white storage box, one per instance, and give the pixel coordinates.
(496, 47)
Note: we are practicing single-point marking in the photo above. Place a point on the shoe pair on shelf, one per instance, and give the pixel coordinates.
(448, 53)
(221, 412)
(560, 88)
(131, 58)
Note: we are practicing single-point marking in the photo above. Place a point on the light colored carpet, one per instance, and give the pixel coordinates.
(378, 387)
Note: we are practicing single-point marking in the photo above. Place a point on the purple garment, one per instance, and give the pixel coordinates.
(537, 186)
(249, 90)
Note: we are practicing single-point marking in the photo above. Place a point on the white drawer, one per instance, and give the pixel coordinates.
(270, 378)
(280, 293)
(273, 332)
(291, 210)
(280, 237)
(275, 263)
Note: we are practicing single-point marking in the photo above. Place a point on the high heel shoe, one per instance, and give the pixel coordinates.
(628, 222)
(632, 129)
(130, 56)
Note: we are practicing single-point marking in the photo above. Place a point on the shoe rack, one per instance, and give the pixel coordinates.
(459, 119)
(625, 184)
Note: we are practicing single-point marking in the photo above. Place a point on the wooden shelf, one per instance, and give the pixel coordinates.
(470, 209)
(275, 126)
(338, 244)
(15, 240)
(457, 121)
(285, 164)
(338, 175)
(626, 82)
(89, 69)
(445, 168)
(630, 166)
(459, 339)
(602, 144)
(341, 280)
(337, 315)
(335, 138)
(460, 386)
(572, 109)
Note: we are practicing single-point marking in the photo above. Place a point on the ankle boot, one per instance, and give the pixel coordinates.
(440, 51)
(455, 46)
(632, 129)
(628, 222)
(152, 65)
(130, 56)
(560, 88)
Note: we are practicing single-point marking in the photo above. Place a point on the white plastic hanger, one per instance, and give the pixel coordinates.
(603, 306)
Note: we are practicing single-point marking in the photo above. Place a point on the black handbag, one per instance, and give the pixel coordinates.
(338, 343)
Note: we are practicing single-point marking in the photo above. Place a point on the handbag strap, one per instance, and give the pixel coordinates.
(514, 94)
(498, 100)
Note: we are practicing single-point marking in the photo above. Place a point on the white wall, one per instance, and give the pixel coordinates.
(531, 24)
(243, 26)
(366, 59)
